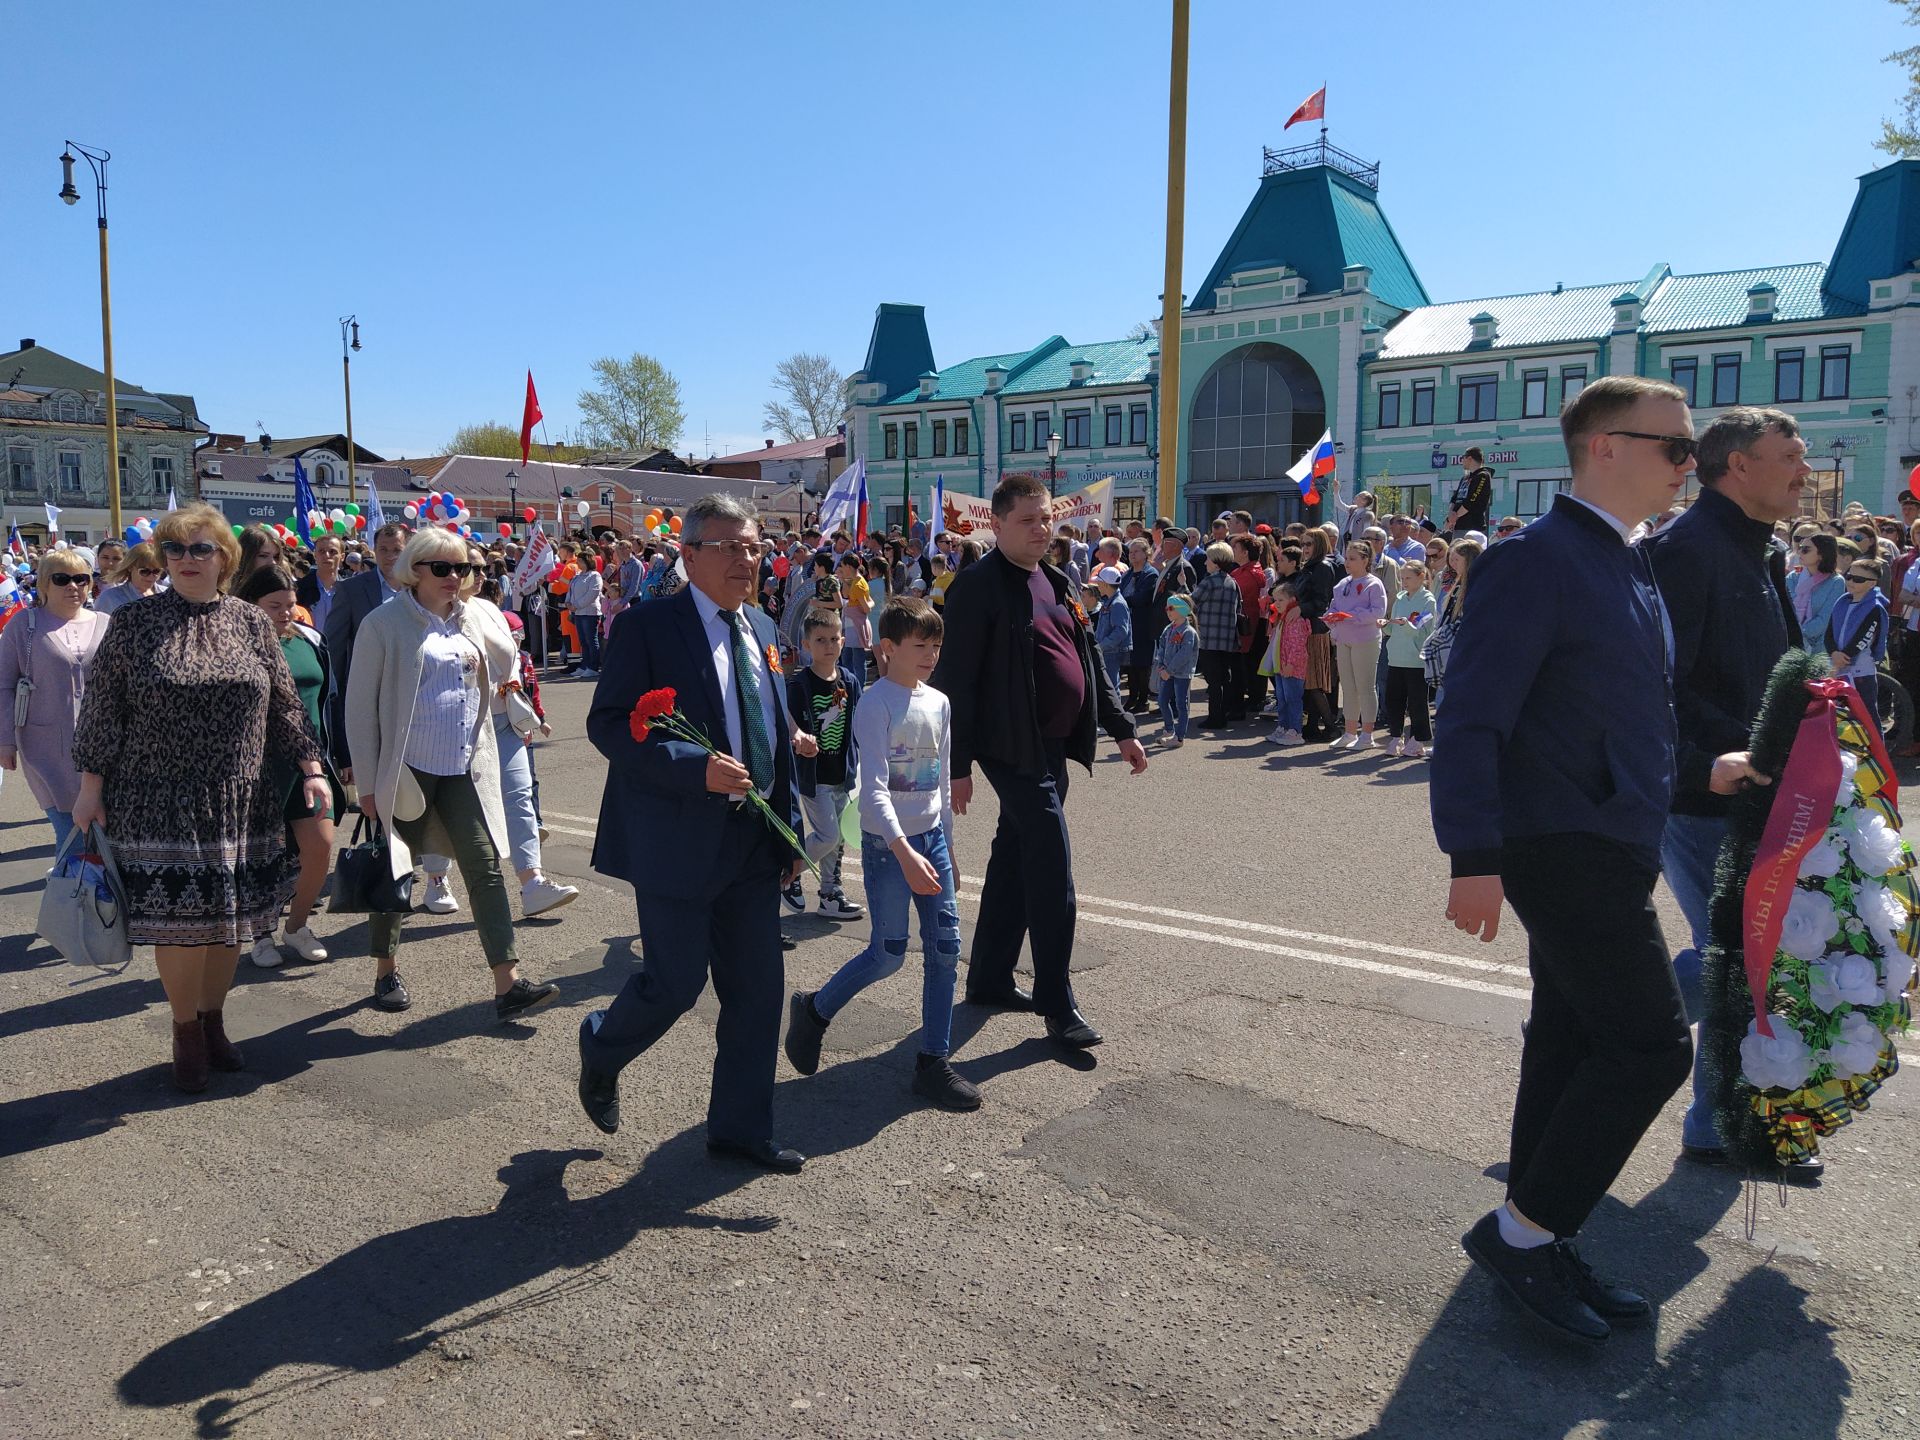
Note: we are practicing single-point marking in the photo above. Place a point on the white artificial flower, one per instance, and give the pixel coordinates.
(1845, 979)
(1779, 1062)
(1810, 923)
(1873, 844)
(1883, 911)
(1856, 1049)
(1822, 861)
(1898, 971)
(1849, 767)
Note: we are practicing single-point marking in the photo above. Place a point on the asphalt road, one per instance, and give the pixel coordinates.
(1240, 1215)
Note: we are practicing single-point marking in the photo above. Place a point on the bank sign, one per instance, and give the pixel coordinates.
(1443, 461)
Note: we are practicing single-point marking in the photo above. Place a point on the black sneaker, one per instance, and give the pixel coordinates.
(524, 999)
(390, 992)
(805, 1031)
(1610, 1302)
(936, 1080)
(794, 898)
(1539, 1279)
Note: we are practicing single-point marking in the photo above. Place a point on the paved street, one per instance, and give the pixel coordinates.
(1240, 1215)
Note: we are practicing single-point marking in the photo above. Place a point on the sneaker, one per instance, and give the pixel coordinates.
(523, 999)
(936, 1080)
(794, 898)
(390, 992)
(585, 673)
(1294, 737)
(1281, 736)
(1343, 742)
(1540, 1280)
(304, 943)
(439, 897)
(1413, 750)
(1174, 742)
(1365, 742)
(540, 895)
(838, 907)
(265, 955)
(1393, 749)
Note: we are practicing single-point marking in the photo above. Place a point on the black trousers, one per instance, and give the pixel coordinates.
(1253, 685)
(734, 936)
(1139, 688)
(1028, 890)
(1218, 669)
(1607, 1043)
(1407, 700)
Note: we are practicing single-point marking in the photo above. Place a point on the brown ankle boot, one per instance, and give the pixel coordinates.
(222, 1053)
(189, 1056)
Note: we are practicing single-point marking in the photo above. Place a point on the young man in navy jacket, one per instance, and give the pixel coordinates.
(1550, 791)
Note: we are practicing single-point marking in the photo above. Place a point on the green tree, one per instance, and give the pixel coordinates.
(487, 438)
(634, 405)
(815, 399)
(1900, 137)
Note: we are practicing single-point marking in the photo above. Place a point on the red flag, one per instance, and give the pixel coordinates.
(1315, 108)
(527, 418)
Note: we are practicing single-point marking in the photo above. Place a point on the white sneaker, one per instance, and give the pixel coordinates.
(1344, 742)
(1365, 742)
(304, 943)
(439, 897)
(540, 895)
(838, 907)
(1294, 737)
(1280, 737)
(1392, 748)
(265, 955)
(1414, 750)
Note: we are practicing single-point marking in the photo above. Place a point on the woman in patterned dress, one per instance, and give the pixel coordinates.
(188, 705)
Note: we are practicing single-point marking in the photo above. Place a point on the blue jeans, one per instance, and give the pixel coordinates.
(516, 795)
(1116, 662)
(1289, 694)
(62, 823)
(888, 897)
(1174, 706)
(589, 628)
(1688, 850)
(854, 658)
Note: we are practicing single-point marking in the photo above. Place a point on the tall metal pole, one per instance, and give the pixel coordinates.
(1176, 239)
(349, 323)
(97, 159)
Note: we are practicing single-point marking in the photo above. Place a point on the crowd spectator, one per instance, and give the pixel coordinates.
(1409, 624)
(1216, 614)
(1176, 651)
(135, 578)
(1361, 602)
(1137, 590)
(50, 647)
(1819, 586)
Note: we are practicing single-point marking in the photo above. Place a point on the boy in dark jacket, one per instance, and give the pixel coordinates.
(821, 697)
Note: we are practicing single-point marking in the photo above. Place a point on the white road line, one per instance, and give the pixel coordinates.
(580, 819)
(568, 829)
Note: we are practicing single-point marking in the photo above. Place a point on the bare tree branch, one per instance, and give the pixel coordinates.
(814, 386)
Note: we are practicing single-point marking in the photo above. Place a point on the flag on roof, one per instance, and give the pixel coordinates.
(1314, 107)
(1312, 467)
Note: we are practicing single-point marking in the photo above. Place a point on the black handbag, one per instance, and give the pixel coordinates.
(363, 880)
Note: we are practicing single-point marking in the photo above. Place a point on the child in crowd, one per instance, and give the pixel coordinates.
(1362, 601)
(1414, 614)
(1175, 654)
(942, 578)
(1289, 666)
(903, 732)
(856, 609)
(822, 697)
(1857, 627)
(1113, 626)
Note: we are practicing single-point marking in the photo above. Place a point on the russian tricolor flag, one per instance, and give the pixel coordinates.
(1311, 467)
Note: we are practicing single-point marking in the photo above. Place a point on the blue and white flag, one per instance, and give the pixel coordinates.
(375, 516)
(303, 503)
(842, 502)
(16, 547)
(939, 520)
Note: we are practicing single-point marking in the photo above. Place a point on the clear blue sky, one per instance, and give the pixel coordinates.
(495, 186)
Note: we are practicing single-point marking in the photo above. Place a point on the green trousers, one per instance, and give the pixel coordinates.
(455, 800)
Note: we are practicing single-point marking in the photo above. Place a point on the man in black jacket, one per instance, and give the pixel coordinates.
(1724, 585)
(1026, 688)
(1472, 499)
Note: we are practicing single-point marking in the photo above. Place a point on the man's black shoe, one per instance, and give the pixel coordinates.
(787, 942)
(599, 1092)
(935, 1079)
(768, 1154)
(1073, 1031)
(390, 993)
(999, 997)
(805, 1031)
(523, 999)
(1801, 1172)
(1610, 1302)
(1539, 1279)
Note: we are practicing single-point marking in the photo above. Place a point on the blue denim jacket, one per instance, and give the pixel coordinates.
(1176, 651)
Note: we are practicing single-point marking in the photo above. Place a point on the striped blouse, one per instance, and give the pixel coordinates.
(440, 739)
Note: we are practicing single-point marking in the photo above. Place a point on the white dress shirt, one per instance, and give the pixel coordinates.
(447, 707)
(1614, 522)
(720, 644)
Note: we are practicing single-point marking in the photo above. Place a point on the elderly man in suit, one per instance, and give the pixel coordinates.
(705, 866)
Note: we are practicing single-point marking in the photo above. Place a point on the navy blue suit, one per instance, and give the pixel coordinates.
(705, 871)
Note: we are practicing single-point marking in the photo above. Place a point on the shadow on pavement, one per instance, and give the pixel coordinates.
(84, 1004)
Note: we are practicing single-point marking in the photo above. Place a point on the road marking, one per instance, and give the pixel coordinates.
(569, 830)
(580, 819)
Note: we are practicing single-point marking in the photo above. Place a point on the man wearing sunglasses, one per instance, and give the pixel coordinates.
(1725, 587)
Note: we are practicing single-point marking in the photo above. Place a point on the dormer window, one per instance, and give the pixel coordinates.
(1626, 311)
(1485, 328)
(996, 377)
(1082, 370)
(929, 382)
(1760, 302)
(1356, 278)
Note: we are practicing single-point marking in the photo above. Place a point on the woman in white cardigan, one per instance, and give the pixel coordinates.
(420, 733)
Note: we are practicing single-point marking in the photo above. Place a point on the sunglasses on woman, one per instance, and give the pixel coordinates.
(145, 570)
(63, 579)
(441, 569)
(179, 550)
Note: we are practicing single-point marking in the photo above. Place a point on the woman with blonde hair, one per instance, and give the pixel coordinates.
(188, 704)
(135, 578)
(421, 736)
(49, 648)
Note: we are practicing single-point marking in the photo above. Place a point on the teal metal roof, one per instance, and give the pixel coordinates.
(1719, 301)
(898, 349)
(1047, 366)
(1542, 317)
(1882, 234)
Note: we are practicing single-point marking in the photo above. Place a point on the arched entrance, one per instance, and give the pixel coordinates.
(1258, 409)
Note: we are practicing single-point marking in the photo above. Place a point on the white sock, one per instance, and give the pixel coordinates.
(1519, 1234)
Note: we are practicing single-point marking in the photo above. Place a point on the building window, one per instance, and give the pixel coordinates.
(70, 472)
(913, 440)
(1129, 507)
(960, 437)
(892, 444)
(1789, 375)
(1573, 379)
(1533, 394)
(1686, 374)
(20, 476)
(1017, 433)
(1423, 402)
(1116, 426)
(1533, 498)
(1726, 379)
(1137, 425)
(1389, 418)
(1836, 372)
(1479, 398)
(939, 437)
(1040, 429)
(1252, 417)
(161, 467)
(1079, 429)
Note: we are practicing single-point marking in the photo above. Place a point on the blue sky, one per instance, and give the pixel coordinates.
(497, 186)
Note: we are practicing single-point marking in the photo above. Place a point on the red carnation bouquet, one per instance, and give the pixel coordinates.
(658, 710)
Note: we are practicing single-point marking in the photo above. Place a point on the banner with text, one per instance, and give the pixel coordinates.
(973, 514)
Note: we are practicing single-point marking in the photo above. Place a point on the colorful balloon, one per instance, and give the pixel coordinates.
(674, 524)
(653, 519)
(506, 527)
(351, 509)
(412, 512)
(529, 515)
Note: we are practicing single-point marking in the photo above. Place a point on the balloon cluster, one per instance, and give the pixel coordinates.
(655, 524)
(444, 509)
(341, 520)
(139, 530)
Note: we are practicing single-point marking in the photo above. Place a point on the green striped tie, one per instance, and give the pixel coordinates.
(753, 716)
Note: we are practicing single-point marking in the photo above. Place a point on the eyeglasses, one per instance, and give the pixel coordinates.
(1507, 530)
(63, 579)
(441, 569)
(1804, 549)
(1863, 579)
(144, 570)
(179, 550)
(732, 549)
(1680, 448)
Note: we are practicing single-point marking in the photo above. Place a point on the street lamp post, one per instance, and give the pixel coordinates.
(97, 160)
(1839, 449)
(349, 324)
(513, 498)
(1053, 464)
